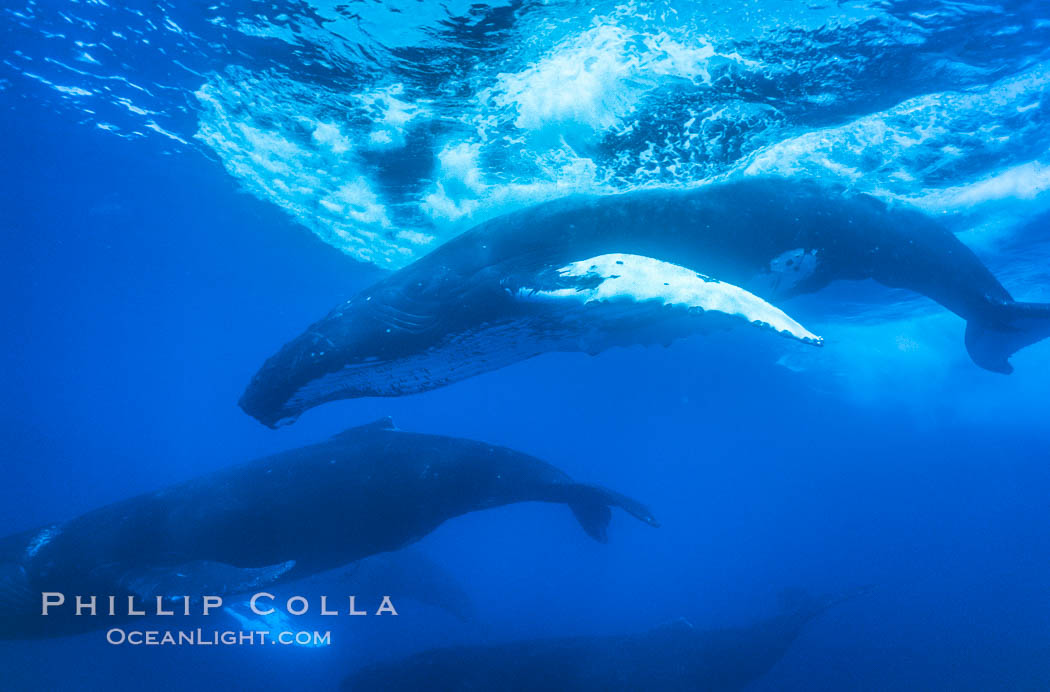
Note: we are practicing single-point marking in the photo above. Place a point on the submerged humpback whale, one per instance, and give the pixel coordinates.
(367, 490)
(403, 575)
(412, 573)
(672, 658)
(589, 272)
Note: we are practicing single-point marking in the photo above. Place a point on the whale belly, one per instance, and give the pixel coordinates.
(461, 356)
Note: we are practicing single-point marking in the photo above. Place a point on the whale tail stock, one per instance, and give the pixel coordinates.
(590, 505)
(1013, 326)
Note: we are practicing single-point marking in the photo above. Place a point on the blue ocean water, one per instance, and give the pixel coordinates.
(189, 185)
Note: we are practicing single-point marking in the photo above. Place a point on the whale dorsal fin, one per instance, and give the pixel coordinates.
(384, 423)
(679, 624)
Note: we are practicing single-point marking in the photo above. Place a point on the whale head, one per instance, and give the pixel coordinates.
(345, 354)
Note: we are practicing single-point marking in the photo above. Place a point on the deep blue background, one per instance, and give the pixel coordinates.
(141, 291)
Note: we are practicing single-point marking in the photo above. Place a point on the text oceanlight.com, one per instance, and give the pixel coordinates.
(199, 637)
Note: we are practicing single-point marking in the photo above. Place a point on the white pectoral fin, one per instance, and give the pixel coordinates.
(270, 619)
(623, 278)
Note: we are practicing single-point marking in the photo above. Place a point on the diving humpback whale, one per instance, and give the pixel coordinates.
(671, 658)
(589, 272)
(368, 490)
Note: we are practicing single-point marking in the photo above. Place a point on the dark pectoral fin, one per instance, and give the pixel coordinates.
(200, 578)
(591, 506)
(594, 518)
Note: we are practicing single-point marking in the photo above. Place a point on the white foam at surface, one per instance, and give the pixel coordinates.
(330, 135)
(304, 162)
(589, 81)
(527, 130)
(390, 115)
(462, 194)
(891, 152)
(604, 98)
(72, 91)
(1026, 181)
(459, 185)
(597, 77)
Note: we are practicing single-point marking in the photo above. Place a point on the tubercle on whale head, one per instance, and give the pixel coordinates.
(280, 391)
(269, 392)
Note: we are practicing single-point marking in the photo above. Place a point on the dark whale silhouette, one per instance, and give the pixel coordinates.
(587, 273)
(367, 490)
(672, 658)
(403, 575)
(414, 574)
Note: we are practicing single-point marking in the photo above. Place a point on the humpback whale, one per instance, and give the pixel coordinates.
(670, 658)
(588, 272)
(367, 490)
(408, 574)
(411, 573)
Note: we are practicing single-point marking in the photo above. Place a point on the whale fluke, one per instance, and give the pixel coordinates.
(589, 273)
(990, 343)
(292, 515)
